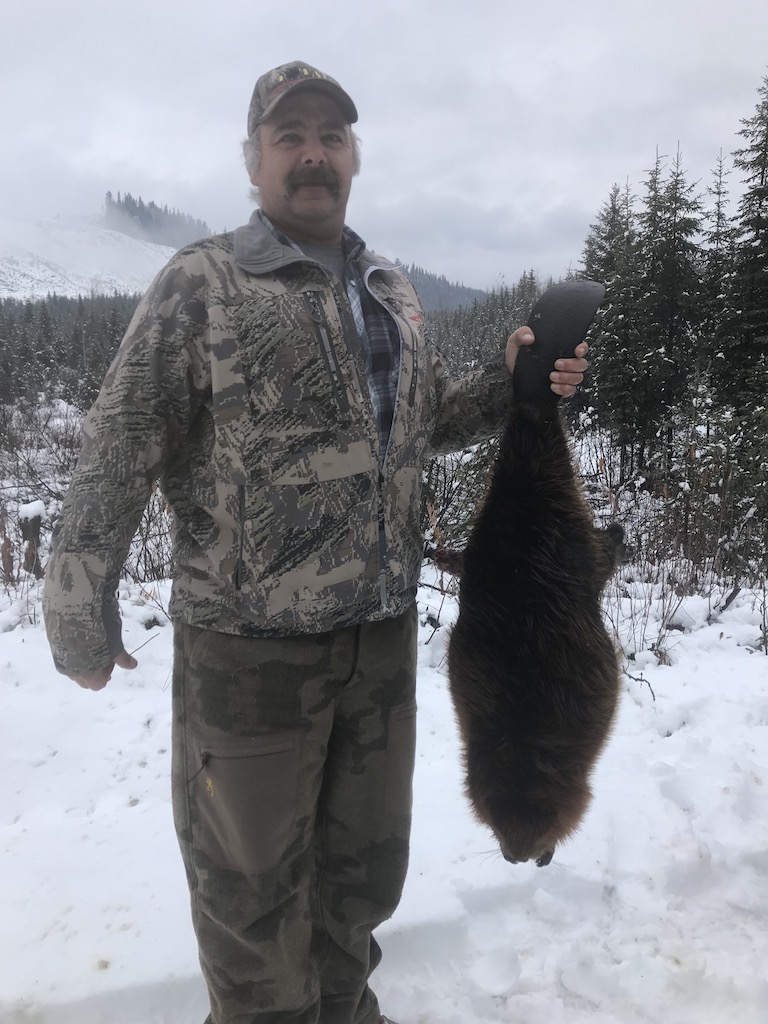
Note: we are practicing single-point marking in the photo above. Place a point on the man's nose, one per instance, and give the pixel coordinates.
(314, 153)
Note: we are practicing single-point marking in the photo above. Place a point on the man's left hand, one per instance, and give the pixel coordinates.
(566, 374)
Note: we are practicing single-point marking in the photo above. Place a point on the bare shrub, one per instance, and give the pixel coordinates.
(39, 445)
(151, 556)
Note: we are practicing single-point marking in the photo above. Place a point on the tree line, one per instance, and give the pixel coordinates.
(438, 293)
(60, 347)
(151, 222)
(678, 386)
(675, 403)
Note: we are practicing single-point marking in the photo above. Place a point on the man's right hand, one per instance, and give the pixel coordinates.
(98, 680)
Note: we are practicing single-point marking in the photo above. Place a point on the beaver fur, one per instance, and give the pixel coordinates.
(533, 672)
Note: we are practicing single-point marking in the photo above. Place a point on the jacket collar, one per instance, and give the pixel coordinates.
(259, 250)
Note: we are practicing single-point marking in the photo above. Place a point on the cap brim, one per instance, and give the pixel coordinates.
(334, 91)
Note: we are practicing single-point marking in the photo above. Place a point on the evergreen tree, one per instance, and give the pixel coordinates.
(615, 386)
(469, 336)
(438, 293)
(668, 308)
(716, 271)
(742, 363)
(147, 221)
(58, 346)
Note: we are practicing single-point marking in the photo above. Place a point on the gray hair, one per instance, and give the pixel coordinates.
(252, 152)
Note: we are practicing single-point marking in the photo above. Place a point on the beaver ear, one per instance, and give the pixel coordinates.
(616, 532)
(622, 552)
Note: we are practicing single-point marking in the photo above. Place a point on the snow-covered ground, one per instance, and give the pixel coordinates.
(74, 258)
(657, 911)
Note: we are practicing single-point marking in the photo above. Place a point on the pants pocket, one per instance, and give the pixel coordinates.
(245, 795)
(401, 758)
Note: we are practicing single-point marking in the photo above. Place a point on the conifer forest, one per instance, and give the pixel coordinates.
(671, 427)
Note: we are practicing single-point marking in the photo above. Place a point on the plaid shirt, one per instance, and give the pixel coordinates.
(377, 332)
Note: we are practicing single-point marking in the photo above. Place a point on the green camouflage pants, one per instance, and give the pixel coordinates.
(292, 768)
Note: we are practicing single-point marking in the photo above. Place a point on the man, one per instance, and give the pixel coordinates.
(277, 383)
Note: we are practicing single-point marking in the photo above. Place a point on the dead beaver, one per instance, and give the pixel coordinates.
(533, 672)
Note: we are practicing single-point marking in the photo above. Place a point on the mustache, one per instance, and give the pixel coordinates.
(313, 176)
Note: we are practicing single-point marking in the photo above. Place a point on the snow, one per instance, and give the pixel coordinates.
(32, 510)
(74, 258)
(654, 912)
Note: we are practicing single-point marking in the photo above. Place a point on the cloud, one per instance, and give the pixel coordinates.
(492, 133)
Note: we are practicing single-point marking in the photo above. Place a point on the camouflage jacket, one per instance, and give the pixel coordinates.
(239, 386)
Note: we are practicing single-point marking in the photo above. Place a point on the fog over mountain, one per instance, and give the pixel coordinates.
(72, 257)
(75, 257)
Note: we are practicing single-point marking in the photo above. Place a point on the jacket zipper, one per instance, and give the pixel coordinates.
(382, 546)
(324, 340)
(321, 331)
(383, 458)
(240, 567)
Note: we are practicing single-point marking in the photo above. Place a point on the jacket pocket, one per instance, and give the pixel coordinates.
(291, 362)
(299, 538)
(245, 795)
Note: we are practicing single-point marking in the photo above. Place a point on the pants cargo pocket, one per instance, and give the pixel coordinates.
(245, 796)
(401, 758)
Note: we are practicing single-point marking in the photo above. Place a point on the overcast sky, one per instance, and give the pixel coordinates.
(492, 130)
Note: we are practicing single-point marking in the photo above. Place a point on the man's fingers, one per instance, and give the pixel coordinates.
(93, 680)
(564, 390)
(574, 366)
(522, 336)
(571, 371)
(569, 374)
(125, 660)
(98, 680)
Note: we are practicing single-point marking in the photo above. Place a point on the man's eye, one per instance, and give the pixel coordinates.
(334, 138)
(289, 137)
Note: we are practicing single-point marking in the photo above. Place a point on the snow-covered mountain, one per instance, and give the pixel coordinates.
(73, 258)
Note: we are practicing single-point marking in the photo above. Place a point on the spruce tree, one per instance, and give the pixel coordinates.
(614, 384)
(742, 357)
(668, 303)
(717, 260)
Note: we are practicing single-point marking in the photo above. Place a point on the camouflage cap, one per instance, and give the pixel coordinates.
(274, 85)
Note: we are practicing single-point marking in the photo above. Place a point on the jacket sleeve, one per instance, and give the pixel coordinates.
(139, 419)
(471, 408)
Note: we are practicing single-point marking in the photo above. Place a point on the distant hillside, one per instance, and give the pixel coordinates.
(437, 293)
(82, 257)
(71, 258)
(151, 222)
(61, 345)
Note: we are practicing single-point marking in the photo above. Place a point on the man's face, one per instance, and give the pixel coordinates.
(306, 169)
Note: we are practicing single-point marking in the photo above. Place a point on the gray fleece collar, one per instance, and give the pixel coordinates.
(258, 251)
